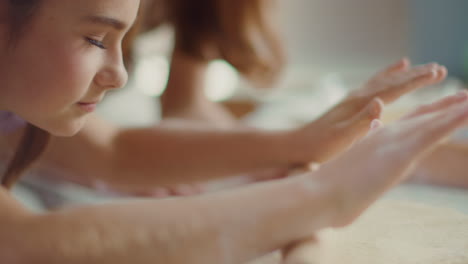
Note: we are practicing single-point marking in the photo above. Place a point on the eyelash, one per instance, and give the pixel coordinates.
(96, 43)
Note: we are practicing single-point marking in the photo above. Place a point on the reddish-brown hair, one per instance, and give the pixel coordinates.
(237, 31)
(34, 140)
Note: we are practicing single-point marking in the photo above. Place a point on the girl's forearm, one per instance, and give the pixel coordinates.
(229, 227)
(168, 156)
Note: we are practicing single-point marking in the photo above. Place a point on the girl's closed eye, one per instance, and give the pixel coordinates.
(95, 42)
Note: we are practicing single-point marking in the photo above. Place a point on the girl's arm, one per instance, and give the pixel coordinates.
(224, 228)
(168, 154)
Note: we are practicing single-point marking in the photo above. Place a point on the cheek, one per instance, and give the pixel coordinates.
(57, 75)
(72, 74)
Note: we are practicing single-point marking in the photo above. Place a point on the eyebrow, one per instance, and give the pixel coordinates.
(107, 21)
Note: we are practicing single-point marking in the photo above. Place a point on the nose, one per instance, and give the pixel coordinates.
(113, 75)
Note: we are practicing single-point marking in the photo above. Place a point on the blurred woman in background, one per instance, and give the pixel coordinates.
(242, 33)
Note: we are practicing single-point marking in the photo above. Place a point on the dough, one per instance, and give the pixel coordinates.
(390, 232)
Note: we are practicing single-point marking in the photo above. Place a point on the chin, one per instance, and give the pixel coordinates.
(69, 132)
(66, 128)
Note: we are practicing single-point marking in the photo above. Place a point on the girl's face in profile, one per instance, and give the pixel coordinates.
(64, 61)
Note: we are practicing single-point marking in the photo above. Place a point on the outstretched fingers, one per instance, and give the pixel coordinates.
(439, 105)
(401, 65)
(428, 130)
(412, 80)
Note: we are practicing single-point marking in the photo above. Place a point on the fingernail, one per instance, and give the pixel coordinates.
(375, 124)
(373, 109)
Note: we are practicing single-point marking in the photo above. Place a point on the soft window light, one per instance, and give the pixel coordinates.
(221, 81)
(151, 75)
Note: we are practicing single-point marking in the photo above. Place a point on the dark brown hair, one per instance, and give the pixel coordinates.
(237, 31)
(34, 140)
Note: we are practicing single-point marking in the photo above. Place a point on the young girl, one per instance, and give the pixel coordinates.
(58, 59)
(149, 159)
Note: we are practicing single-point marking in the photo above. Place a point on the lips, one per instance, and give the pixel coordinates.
(88, 107)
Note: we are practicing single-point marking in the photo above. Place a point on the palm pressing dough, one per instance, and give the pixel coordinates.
(390, 233)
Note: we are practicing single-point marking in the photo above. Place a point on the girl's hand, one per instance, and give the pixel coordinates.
(348, 121)
(387, 156)
(381, 161)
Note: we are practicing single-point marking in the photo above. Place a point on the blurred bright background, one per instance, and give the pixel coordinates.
(333, 46)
